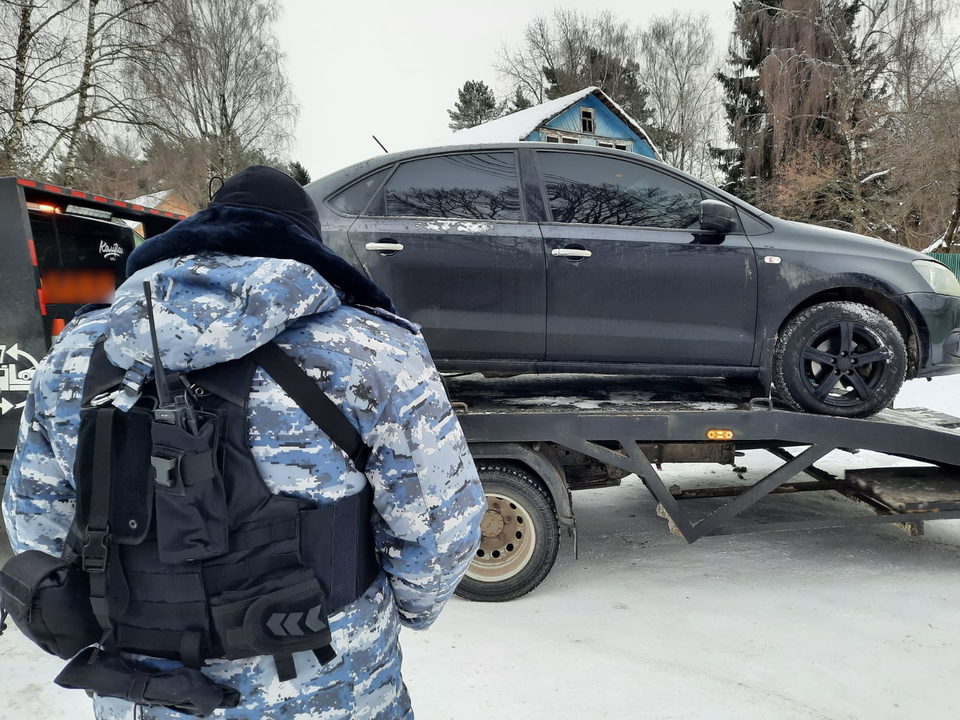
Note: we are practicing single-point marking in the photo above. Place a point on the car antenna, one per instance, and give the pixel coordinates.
(380, 144)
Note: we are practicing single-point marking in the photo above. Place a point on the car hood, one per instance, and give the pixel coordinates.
(831, 239)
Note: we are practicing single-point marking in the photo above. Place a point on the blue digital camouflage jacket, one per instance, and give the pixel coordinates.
(211, 308)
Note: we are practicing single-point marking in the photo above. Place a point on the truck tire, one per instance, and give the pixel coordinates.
(520, 536)
(839, 358)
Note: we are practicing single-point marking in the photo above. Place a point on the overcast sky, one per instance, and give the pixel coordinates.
(392, 69)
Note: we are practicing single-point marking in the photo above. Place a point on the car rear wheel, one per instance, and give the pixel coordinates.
(840, 358)
(520, 536)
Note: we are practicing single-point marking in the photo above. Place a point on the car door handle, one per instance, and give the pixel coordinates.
(384, 246)
(571, 253)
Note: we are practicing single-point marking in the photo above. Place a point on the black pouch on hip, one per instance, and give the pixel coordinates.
(49, 601)
(183, 689)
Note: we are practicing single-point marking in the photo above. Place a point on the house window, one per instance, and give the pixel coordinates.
(621, 146)
(605, 144)
(553, 138)
(586, 120)
(571, 141)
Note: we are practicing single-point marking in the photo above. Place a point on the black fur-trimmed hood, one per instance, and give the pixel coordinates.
(258, 233)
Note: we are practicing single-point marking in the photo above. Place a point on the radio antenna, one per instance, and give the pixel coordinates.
(159, 376)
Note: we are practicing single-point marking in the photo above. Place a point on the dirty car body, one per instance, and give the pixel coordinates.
(538, 257)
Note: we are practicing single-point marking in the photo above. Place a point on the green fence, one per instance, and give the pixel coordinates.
(951, 260)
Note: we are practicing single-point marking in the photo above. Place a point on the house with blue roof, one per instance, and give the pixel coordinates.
(586, 117)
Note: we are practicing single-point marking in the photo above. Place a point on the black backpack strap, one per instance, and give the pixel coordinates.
(305, 392)
(97, 547)
(102, 375)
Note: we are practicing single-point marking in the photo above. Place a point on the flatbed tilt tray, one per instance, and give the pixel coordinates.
(540, 437)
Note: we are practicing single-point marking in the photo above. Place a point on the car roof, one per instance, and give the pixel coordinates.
(323, 187)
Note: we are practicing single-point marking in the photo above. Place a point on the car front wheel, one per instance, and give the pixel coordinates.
(840, 358)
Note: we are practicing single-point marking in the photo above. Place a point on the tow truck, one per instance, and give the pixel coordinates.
(536, 439)
(63, 248)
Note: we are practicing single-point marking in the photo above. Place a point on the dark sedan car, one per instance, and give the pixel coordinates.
(530, 257)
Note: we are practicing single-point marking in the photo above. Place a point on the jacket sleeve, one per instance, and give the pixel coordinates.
(426, 492)
(39, 502)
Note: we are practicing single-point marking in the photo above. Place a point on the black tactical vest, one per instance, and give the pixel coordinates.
(190, 556)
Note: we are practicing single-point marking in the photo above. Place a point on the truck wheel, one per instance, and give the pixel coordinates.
(519, 540)
(840, 358)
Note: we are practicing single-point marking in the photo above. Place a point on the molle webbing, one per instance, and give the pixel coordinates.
(287, 564)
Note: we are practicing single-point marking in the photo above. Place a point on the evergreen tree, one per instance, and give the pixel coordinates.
(476, 104)
(519, 101)
(744, 105)
(299, 173)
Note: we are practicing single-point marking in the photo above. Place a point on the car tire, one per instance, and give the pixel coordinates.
(839, 358)
(520, 536)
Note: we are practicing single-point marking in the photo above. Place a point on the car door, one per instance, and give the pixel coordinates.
(628, 279)
(446, 239)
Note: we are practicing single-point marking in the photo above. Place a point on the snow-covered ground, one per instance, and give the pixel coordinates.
(848, 623)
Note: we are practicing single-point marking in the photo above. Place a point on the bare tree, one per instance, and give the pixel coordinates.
(912, 170)
(678, 64)
(569, 51)
(64, 81)
(101, 96)
(35, 69)
(216, 85)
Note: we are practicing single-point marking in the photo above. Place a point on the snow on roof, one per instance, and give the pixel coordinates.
(518, 125)
(151, 200)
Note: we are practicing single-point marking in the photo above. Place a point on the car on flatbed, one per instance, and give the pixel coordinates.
(532, 257)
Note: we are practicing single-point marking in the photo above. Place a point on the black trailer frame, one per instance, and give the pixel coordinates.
(628, 423)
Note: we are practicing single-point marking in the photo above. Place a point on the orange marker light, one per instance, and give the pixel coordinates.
(43, 207)
(719, 434)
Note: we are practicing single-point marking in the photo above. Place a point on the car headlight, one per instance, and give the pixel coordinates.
(939, 277)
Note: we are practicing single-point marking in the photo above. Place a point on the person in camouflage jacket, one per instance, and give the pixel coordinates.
(212, 306)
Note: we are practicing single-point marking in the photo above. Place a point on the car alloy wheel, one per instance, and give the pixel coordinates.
(843, 364)
(839, 358)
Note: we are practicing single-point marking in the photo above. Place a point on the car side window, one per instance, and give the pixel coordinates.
(478, 186)
(354, 200)
(585, 188)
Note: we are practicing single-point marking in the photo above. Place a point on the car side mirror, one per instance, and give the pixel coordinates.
(717, 217)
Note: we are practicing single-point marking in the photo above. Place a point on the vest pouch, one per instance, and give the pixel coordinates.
(288, 619)
(190, 505)
(182, 689)
(49, 601)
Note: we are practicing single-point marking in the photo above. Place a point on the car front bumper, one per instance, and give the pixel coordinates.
(939, 333)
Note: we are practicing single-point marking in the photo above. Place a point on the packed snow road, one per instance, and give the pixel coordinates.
(857, 623)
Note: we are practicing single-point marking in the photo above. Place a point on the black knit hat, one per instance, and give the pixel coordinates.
(266, 188)
(261, 212)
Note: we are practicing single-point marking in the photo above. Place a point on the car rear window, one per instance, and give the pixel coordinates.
(480, 186)
(585, 188)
